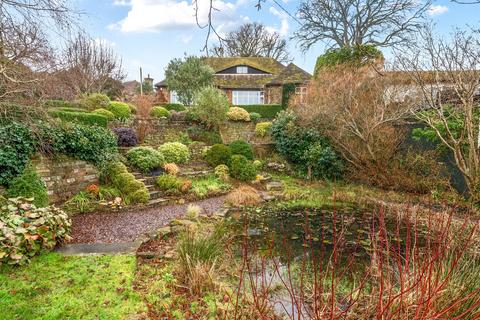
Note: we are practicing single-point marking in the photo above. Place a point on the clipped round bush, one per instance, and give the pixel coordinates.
(29, 185)
(255, 116)
(222, 172)
(169, 184)
(121, 110)
(243, 148)
(96, 101)
(139, 196)
(238, 114)
(126, 137)
(262, 129)
(26, 231)
(258, 164)
(145, 159)
(16, 147)
(117, 175)
(174, 107)
(104, 112)
(160, 112)
(175, 152)
(242, 169)
(218, 154)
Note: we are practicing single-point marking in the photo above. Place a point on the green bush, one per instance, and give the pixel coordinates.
(204, 186)
(174, 107)
(61, 104)
(242, 169)
(218, 154)
(26, 231)
(90, 143)
(175, 152)
(145, 158)
(133, 108)
(81, 117)
(267, 111)
(288, 89)
(160, 112)
(262, 129)
(104, 112)
(210, 107)
(117, 175)
(222, 172)
(71, 110)
(96, 101)
(16, 147)
(243, 148)
(120, 110)
(198, 133)
(169, 184)
(238, 114)
(29, 185)
(255, 116)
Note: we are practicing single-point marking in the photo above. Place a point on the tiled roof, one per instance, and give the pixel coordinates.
(291, 74)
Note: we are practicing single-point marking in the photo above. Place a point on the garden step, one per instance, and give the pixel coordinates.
(155, 195)
(150, 187)
(158, 201)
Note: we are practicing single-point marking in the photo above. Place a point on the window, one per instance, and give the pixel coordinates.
(242, 69)
(240, 98)
(301, 93)
(173, 97)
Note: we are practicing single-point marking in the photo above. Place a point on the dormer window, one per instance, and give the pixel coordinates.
(242, 69)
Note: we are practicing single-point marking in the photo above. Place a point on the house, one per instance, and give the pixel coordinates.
(249, 80)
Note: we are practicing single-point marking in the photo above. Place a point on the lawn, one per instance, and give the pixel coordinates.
(58, 287)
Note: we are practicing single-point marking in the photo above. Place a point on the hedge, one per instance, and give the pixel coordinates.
(81, 117)
(174, 106)
(64, 104)
(268, 111)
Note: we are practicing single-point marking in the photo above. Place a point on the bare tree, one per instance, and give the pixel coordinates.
(444, 78)
(25, 55)
(253, 40)
(346, 23)
(89, 66)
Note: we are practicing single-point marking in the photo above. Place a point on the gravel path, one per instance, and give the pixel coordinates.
(127, 226)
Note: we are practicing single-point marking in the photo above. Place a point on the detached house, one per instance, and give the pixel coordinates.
(249, 80)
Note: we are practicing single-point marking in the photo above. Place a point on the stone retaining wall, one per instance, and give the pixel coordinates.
(240, 130)
(157, 129)
(65, 177)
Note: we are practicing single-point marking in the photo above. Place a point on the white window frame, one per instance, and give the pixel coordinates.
(247, 97)
(242, 69)
(301, 93)
(173, 97)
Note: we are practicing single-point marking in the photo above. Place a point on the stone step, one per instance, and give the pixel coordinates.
(158, 202)
(155, 194)
(150, 187)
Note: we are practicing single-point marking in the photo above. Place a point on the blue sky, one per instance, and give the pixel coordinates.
(149, 33)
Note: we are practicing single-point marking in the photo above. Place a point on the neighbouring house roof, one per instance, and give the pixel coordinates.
(291, 74)
(276, 73)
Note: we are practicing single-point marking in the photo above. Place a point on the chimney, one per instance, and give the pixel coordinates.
(148, 80)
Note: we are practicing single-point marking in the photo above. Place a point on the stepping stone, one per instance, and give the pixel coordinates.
(274, 186)
(155, 195)
(80, 249)
(158, 201)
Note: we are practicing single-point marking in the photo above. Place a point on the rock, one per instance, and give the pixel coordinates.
(274, 186)
(163, 231)
(181, 222)
(268, 196)
(277, 166)
(169, 255)
(181, 201)
(222, 212)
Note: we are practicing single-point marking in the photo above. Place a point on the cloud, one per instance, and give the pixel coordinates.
(121, 2)
(436, 10)
(283, 17)
(161, 15)
(104, 42)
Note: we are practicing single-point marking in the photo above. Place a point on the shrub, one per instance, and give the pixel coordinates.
(145, 158)
(82, 202)
(126, 137)
(197, 133)
(169, 184)
(243, 196)
(96, 101)
(262, 129)
(242, 169)
(117, 175)
(159, 112)
(175, 152)
(186, 186)
(81, 117)
(121, 110)
(29, 185)
(104, 112)
(255, 116)
(171, 168)
(174, 107)
(70, 109)
(218, 154)
(89, 143)
(238, 114)
(26, 231)
(267, 111)
(258, 164)
(210, 107)
(222, 172)
(193, 211)
(243, 148)
(61, 104)
(204, 186)
(133, 108)
(16, 147)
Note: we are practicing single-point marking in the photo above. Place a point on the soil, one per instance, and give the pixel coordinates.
(128, 226)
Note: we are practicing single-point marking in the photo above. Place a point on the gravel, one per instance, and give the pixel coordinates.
(128, 226)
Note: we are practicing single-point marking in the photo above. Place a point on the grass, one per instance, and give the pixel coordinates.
(53, 286)
(202, 187)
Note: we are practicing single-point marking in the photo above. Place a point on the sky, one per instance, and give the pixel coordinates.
(149, 33)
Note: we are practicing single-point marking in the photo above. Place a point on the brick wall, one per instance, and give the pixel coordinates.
(65, 177)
